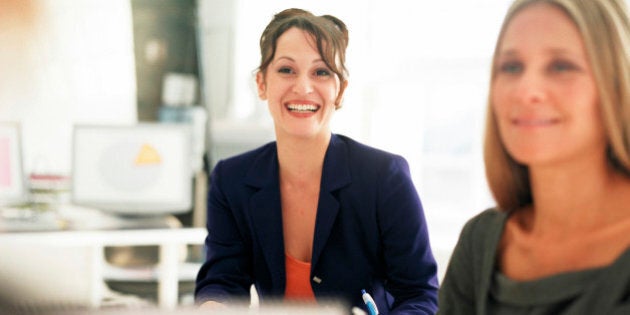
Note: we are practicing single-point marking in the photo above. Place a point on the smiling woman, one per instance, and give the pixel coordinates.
(417, 88)
(544, 93)
(314, 215)
(301, 91)
(557, 161)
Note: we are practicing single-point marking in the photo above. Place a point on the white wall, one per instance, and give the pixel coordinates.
(71, 63)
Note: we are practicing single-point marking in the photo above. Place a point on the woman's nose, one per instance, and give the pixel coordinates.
(303, 85)
(531, 88)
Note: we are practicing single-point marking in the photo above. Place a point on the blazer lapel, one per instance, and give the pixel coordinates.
(266, 214)
(335, 175)
(266, 210)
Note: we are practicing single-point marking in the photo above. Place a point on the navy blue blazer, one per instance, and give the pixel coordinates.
(370, 231)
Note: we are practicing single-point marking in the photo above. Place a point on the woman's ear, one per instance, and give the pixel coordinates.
(342, 89)
(261, 86)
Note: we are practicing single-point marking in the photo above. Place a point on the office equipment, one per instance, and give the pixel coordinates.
(179, 89)
(133, 170)
(197, 118)
(138, 176)
(12, 187)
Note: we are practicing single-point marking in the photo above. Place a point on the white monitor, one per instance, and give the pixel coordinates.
(12, 186)
(135, 170)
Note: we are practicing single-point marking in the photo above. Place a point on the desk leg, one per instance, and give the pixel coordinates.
(169, 276)
(96, 281)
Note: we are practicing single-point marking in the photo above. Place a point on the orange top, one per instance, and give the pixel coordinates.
(298, 283)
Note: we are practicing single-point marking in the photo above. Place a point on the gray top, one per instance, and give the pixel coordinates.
(473, 285)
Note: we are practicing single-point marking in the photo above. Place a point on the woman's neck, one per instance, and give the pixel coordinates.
(577, 196)
(301, 159)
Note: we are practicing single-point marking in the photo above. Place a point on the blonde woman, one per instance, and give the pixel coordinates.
(557, 156)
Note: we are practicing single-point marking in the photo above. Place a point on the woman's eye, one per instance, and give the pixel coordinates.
(286, 70)
(511, 67)
(322, 72)
(562, 66)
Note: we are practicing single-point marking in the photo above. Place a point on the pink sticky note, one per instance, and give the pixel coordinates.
(5, 163)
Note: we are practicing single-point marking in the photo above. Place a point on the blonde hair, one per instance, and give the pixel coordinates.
(605, 29)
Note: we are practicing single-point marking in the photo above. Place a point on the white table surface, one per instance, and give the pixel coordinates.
(169, 240)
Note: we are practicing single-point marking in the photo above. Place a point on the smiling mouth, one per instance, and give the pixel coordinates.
(534, 122)
(302, 108)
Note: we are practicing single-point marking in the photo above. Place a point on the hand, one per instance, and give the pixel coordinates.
(212, 305)
(358, 311)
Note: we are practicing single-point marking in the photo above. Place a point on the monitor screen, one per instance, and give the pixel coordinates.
(142, 169)
(12, 186)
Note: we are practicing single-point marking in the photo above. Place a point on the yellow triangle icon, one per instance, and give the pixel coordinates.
(147, 155)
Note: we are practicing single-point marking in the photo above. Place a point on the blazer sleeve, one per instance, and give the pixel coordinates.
(410, 266)
(227, 271)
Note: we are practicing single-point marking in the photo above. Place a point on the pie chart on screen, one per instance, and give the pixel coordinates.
(131, 166)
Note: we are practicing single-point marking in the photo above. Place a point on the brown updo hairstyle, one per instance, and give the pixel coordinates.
(330, 35)
(604, 26)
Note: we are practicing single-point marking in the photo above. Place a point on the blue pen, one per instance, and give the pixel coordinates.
(369, 302)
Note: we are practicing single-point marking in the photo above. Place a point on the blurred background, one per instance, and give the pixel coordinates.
(418, 84)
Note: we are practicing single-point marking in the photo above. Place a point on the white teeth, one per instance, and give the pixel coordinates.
(302, 107)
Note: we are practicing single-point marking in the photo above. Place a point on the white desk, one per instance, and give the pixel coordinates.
(168, 240)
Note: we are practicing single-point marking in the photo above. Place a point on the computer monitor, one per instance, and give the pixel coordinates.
(133, 170)
(12, 186)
